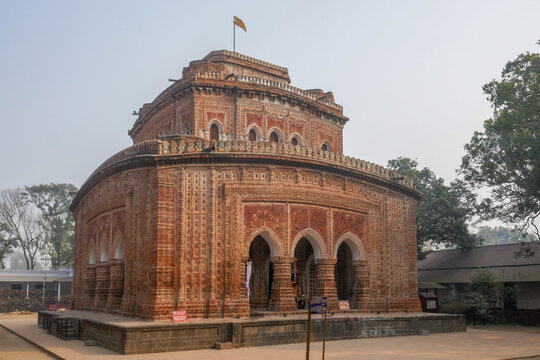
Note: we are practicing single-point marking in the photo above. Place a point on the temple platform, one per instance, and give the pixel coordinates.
(133, 336)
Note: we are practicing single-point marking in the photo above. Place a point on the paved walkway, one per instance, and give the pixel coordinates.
(12, 347)
(485, 343)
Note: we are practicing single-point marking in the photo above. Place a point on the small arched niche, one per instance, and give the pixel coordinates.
(326, 146)
(92, 256)
(119, 250)
(296, 140)
(275, 135)
(214, 132)
(254, 133)
(104, 253)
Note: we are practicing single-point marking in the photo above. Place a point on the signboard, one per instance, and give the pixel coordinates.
(431, 304)
(53, 307)
(179, 316)
(344, 305)
(318, 305)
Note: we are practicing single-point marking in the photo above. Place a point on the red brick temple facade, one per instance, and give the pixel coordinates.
(232, 165)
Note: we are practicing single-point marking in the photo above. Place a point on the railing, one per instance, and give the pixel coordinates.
(182, 145)
(273, 84)
(250, 59)
(144, 147)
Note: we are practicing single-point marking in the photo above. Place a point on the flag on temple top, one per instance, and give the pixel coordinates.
(238, 22)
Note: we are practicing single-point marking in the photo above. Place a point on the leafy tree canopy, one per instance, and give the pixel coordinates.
(480, 296)
(505, 156)
(499, 235)
(443, 213)
(53, 201)
(20, 223)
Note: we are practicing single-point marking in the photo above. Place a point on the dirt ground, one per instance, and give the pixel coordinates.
(487, 342)
(12, 347)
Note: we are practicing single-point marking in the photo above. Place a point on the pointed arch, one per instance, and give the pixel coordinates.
(315, 239)
(355, 244)
(92, 253)
(278, 135)
(275, 245)
(213, 126)
(118, 246)
(104, 251)
(295, 137)
(186, 129)
(256, 130)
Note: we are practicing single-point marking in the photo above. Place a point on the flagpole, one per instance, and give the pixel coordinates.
(234, 36)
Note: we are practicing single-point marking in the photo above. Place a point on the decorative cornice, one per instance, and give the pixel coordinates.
(233, 82)
(241, 151)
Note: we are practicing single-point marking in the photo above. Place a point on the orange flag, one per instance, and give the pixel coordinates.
(238, 22)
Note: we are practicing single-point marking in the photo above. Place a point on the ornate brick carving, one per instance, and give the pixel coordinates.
(188, 211)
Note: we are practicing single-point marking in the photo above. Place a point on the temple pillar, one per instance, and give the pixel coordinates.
(326, 284)
(102, 285)
(360, 285)
(90, 286)
(282, 293)
(116, 285)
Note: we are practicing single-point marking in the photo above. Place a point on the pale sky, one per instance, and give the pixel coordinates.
(408, 73)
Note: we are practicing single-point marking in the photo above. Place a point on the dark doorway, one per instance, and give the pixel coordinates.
(274, 137)
(305, 275)
(260, 283)
(214, 132)
(344, 272)
(252, 135)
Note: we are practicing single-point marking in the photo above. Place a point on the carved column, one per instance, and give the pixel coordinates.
(116, 285)
(282, 294)
(102, 285)
(326, 284)
(90, 286)
(360, 286)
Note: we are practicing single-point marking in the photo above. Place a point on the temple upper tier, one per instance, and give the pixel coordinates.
(229, 96)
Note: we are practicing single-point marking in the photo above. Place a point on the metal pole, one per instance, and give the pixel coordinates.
(308, 328)
(43, 288)
(324, 335)
(58, 297)
(234, 35)
(27, 290)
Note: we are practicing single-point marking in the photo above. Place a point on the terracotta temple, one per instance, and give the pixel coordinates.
(234, 174)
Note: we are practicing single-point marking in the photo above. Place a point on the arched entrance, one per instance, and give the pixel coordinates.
(344, 272)
(260, 283)
(303, 272)
(351, 271)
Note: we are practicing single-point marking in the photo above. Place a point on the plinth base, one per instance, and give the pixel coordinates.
(133, 336)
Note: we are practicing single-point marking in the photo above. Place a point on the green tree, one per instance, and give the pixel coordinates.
(53, 201)
(505, 156)
(443, 213)
(480, 296)
(21, 224)
(499, 235)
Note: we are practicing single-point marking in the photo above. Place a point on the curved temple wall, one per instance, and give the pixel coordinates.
(187, 210)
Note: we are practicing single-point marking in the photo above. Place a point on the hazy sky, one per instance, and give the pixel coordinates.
(408, 73)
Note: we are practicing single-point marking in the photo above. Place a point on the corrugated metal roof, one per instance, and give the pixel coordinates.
(457, 266)
(430, 285)
(36, 275)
